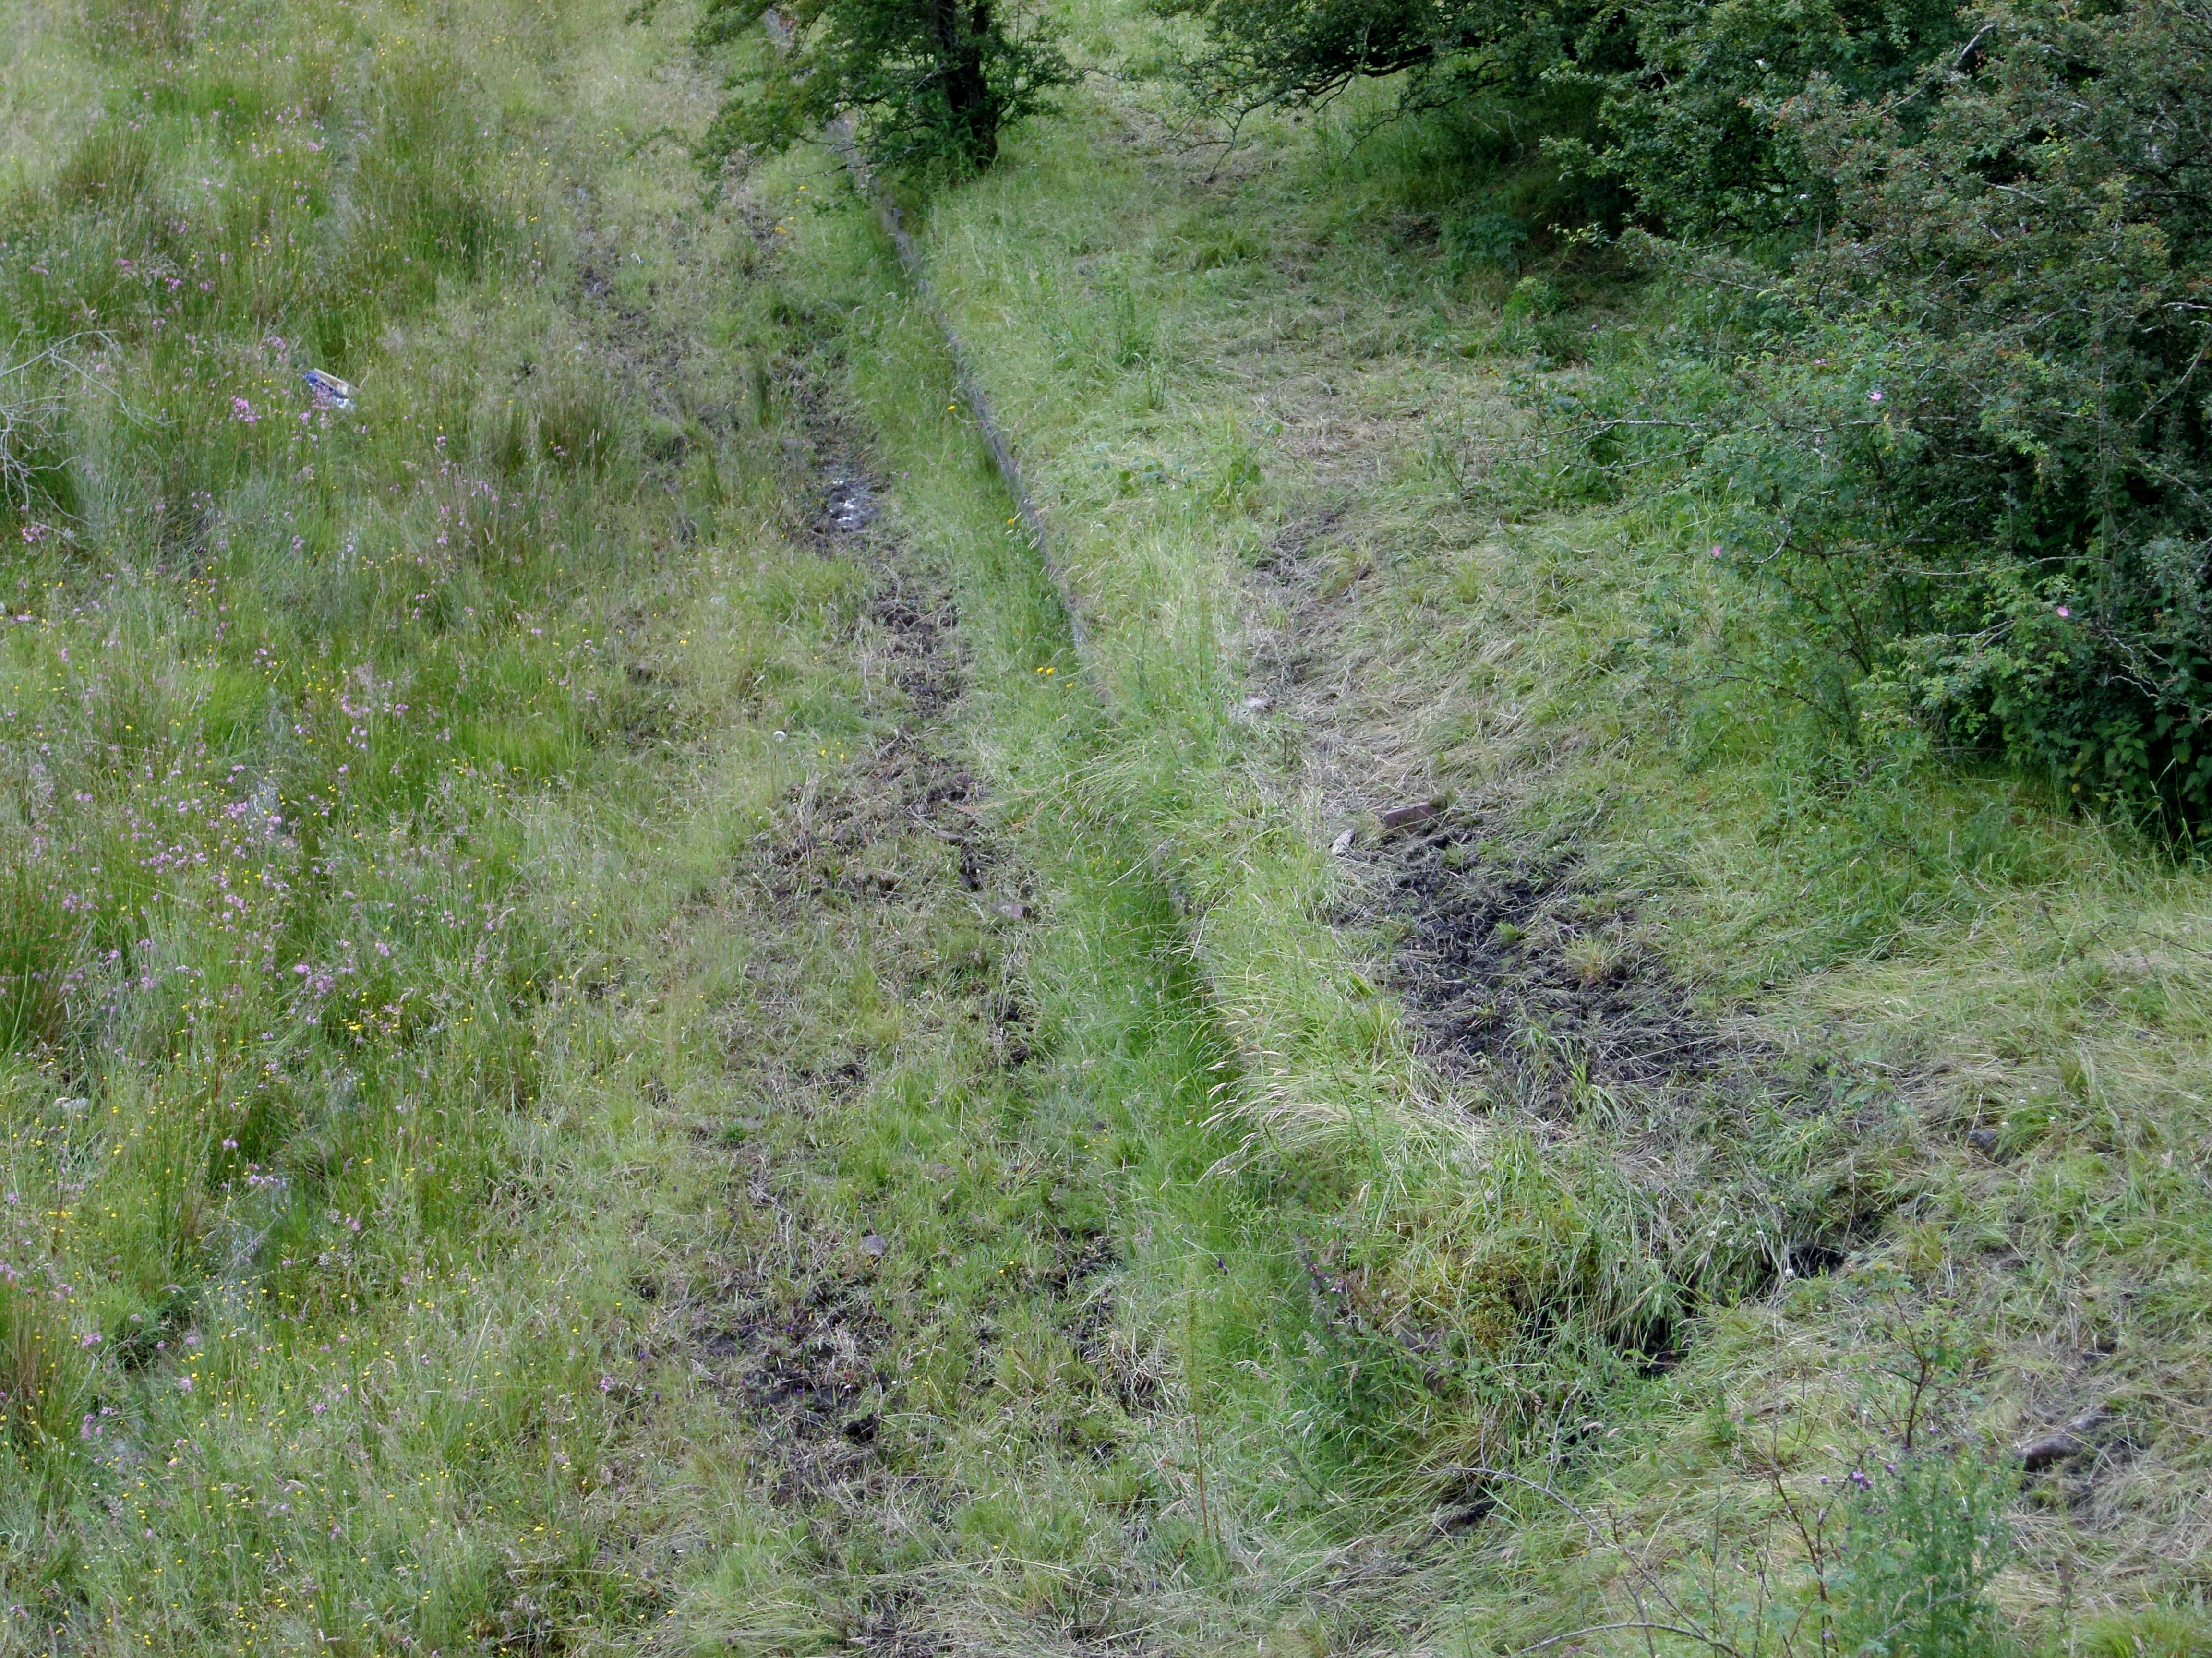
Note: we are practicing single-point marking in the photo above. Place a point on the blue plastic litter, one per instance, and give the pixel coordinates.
(330, 392)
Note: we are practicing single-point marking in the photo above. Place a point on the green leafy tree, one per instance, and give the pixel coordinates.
(929, 84)
(1299, 53)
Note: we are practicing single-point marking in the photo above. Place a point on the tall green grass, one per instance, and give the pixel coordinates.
(328, 792)
(478, 1045)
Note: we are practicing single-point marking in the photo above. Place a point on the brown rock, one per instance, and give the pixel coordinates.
(2048, 1449)
(1413, 812)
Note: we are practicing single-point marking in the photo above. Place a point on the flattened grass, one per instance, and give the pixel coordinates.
(1301, 474)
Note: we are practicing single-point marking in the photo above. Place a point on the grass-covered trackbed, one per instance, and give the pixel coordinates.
(638, 1012)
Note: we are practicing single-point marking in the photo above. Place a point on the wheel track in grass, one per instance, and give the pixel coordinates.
(1522, 967)
(797, 1328)
(807, 1333)
(801, 1326)
(794, 1336)
(811, 1372)
(1359, 1573)
(1511, 963)
(1469, 992)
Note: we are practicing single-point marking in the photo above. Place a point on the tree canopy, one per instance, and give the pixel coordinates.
(927, 84)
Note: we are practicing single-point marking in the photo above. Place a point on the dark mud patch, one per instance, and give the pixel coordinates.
(848, 503)
(1283, 555)
(1514, 963)
(804, 1371)
(1522, 973)
(888, 853)
(1507, 958)
(920, 628)
(909, 632)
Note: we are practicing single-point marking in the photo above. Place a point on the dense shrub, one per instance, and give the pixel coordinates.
(1262, 53)
(1675, 100)
(1690, 124)
(1964, 434)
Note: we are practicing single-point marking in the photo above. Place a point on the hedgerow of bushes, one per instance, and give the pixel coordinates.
(1959, 425)
(1940, 370)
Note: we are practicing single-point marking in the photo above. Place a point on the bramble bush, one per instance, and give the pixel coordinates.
(1261, 53)
(1662, 104)
(1962, 432)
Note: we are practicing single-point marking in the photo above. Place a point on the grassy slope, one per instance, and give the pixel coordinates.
(356, 766)
(475, 976)
(1269, 424)
(1198, 1300)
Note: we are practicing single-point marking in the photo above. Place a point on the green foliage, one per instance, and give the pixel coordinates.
(1691, 127)
(2177, 1629)
(1658, 106)
(1923, 1541)
(1676, 102)
(1261, 53)
(1961, 438)
(929, 83)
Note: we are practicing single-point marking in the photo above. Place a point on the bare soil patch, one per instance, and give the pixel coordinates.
(1500, 941)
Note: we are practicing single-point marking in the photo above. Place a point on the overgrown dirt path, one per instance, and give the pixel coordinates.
(990, 1283)
(1695, 1121)
(1022, 1347)
(910, 1322)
